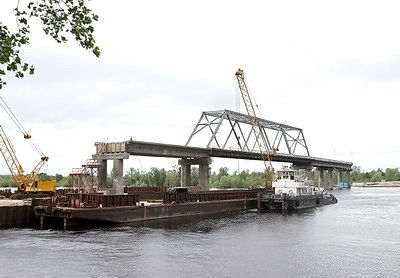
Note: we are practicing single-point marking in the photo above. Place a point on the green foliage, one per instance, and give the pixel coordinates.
(45, 177)
(356, 174)
(133, 178)
(59, 177)
(195, 176)
(390, 174)
(155, 177)
(377, 176)
(63, 181)
(58, 18)
(8, 181)
(173, 177)
(243, 180)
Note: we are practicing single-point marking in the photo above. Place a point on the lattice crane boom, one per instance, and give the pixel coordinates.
(256, 126)
(25, 183)
(8, 152)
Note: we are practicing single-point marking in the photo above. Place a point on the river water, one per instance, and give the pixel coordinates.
(357, 237)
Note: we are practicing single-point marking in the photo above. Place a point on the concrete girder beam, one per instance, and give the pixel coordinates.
(114, 156)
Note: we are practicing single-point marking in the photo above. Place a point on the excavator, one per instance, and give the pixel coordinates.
(26, 184)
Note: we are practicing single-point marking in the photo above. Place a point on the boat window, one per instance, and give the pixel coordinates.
(285, 175)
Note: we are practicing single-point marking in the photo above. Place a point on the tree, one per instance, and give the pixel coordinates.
(58, 177)
(64, 182)
(392, 174)
(356, 174)
(376, 176)
(44, 177)
(173, 177)
(195, 174)
(7, 181)
(133, 177)
(58, 18)
(157, 177)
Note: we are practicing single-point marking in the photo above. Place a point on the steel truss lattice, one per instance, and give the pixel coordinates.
(238, 133)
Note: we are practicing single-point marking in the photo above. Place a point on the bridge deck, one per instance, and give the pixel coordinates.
(176, 151)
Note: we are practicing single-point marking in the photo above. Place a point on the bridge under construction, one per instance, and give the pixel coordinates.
(227, 135)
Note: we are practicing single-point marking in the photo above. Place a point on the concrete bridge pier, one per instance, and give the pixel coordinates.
(348, 178)
(310, 174)
(330, 179)
(117, 173)
(321, 178)
(103, 175)
(325, 184)
(118, 177)
(204, 171)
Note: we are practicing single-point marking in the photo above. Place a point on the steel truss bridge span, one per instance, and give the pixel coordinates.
(226, 129)
(234, 140)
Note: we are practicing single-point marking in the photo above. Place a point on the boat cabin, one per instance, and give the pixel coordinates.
(289, 181)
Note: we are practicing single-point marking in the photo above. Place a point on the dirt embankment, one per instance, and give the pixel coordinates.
(378, 184)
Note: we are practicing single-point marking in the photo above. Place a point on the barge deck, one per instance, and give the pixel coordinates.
(77, 209)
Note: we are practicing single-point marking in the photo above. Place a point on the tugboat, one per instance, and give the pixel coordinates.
(293, 193)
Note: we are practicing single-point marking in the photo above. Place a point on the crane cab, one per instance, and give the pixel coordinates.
(41, 186)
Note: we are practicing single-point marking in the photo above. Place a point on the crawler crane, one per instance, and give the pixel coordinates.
(26, 184)
(257, 129)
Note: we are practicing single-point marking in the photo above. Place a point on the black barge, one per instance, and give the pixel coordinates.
(81, 208)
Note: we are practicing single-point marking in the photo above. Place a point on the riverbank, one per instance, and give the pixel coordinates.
(377, 184)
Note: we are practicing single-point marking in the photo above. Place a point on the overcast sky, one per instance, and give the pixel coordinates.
(328, 67)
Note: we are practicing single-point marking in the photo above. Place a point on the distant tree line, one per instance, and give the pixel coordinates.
(222, 179)
(244, 179)
(390, 174)
(8, 181)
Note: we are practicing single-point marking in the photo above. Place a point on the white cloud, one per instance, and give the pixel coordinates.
(327, 67)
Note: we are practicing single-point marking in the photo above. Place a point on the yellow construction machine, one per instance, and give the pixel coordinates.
(26, 184)
(256, 126)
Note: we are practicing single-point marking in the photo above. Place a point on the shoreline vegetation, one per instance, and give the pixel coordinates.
(224, 178)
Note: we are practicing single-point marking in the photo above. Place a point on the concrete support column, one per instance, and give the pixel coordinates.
(118, 178)
(103, 175)
(348, 179)
(330, 180)
(310, 175)
(321, 178)
(339, 177)
(204, 172)
(186, 178)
